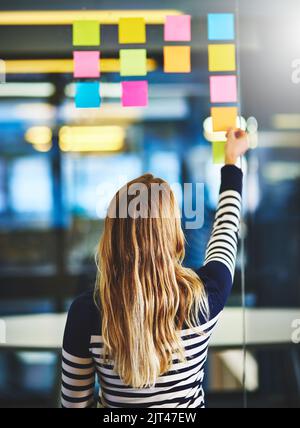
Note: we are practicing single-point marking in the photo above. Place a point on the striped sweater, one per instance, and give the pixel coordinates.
(181, 386)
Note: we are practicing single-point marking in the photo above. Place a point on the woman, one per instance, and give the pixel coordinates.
(146, 330)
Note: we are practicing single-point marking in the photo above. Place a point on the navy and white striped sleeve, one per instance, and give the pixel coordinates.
(219, 266)
(78, 371)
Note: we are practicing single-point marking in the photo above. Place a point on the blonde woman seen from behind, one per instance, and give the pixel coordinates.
(145, 330)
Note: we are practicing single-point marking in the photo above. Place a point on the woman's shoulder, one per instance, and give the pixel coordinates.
(83, 321)
(85, 308)
(84, 302)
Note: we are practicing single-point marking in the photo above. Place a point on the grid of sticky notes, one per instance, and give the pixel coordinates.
(87, 63)
(222, 66)
(177, 57)
(132, 58)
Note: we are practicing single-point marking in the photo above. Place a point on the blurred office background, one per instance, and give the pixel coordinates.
(52, 202)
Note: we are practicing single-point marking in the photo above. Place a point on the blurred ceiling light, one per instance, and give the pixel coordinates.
(279, 139)
(212, 136)
(43, 148)
(252, 128)
(67, 17)
(91, 138)
(158, 109)
(38, 135)
(252, 125)
(34, 112)
(30, 90)
(107, 90)
(109, 113)
(286, 121)
(37, 357)
(2, 71)
(281, 171)
(31, 66)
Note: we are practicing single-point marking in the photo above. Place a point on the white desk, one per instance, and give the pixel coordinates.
(264, 327)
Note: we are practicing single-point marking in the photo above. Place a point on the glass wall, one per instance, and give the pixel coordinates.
(53, 200)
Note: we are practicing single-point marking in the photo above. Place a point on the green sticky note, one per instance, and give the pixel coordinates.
(86, 33)
(218, 152)
(133, 62)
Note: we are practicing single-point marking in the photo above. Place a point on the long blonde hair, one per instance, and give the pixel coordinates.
(146, 295)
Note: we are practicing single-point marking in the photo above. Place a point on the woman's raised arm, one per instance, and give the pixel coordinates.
(218, 270)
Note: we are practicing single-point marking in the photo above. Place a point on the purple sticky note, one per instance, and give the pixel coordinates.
(223, 89)
(178, 28)
(135, 93)
(86, 64)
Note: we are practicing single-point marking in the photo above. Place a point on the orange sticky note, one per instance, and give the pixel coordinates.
(223, 118)
(177, 59)
(221, 57)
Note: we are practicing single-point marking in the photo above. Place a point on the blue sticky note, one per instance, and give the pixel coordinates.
(221, 26)
(87, 95)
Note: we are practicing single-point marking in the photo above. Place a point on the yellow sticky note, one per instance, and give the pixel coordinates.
(218, 148)
(221, 57)
(132, 30)
(223, 118)
(177, 59)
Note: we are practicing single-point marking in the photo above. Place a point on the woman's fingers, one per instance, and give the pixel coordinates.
(237, 144)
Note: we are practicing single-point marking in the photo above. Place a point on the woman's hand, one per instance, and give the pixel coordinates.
(237, 145)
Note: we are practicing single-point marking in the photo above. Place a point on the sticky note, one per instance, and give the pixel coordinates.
(178, 28)
(218, 148)
(135, 94)
(87, 95)
(133, 62)
(221, 57)
(132, 30)
(221, 26)
(177, 59)
(223, 89)
(86, 33)
(223, 118)
(86, 64)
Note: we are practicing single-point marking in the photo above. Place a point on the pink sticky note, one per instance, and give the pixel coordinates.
(223, 89)
(135, 93)
(178, 28)
(86, 64)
